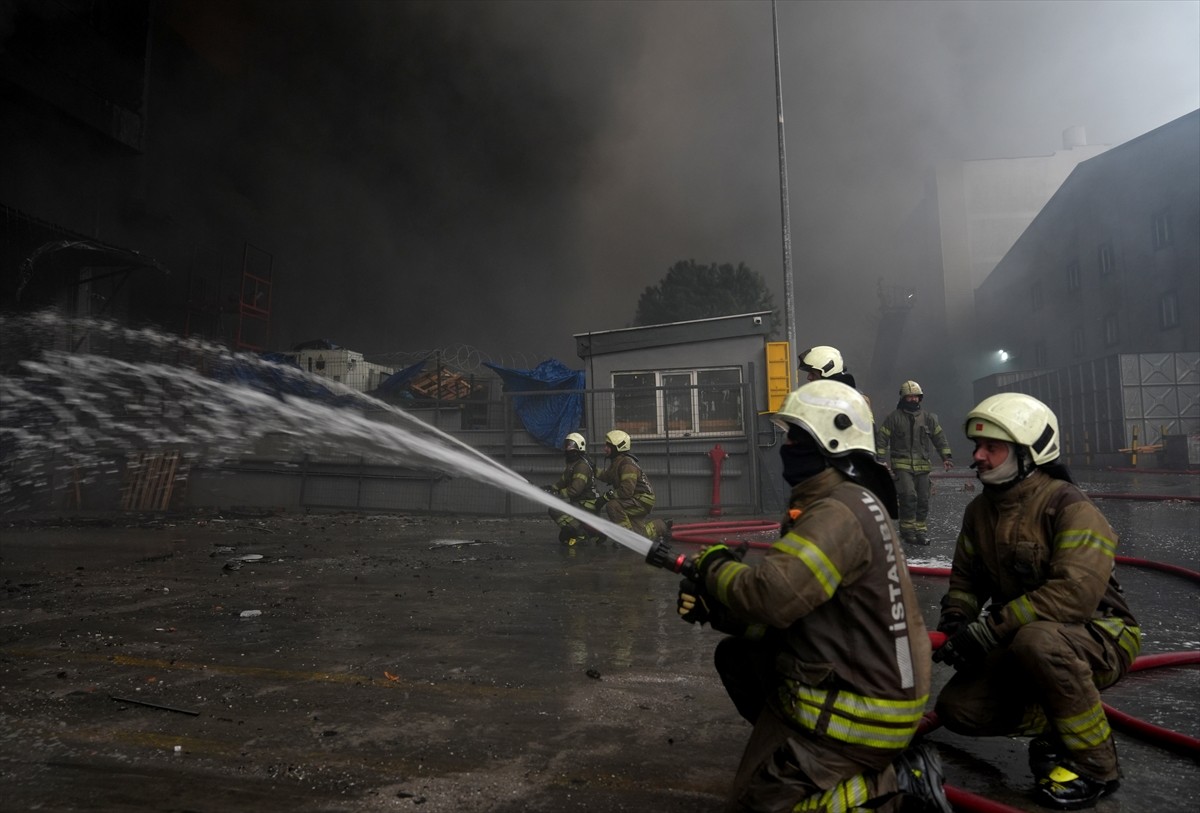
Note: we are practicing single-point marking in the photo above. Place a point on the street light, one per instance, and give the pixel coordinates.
(1004, 356)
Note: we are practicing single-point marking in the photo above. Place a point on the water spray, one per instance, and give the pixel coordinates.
(88, 407)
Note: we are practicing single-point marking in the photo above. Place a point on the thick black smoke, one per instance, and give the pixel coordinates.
(508, 173)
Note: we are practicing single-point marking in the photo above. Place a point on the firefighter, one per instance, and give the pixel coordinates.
(577, 485)
(827, 653)
(905, 441)
(630, 499)
(824, 361)
(1037, 557)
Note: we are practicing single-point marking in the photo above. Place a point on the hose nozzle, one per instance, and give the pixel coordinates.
(661, 555)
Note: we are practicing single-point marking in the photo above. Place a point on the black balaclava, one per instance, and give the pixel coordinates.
(909, 406)
(802, 457)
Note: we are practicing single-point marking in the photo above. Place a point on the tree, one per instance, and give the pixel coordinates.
(693, 291)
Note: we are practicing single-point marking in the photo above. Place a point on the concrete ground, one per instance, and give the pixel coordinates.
(397, 663)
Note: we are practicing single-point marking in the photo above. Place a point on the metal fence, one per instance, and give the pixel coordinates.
(680, 442)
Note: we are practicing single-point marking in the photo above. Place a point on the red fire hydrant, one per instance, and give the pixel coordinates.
(717, 456)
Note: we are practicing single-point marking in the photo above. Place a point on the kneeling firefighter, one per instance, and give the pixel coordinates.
(576, 485)
(827, 654)
(630, 499)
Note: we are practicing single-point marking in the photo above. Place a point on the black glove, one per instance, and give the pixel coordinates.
(712, 557)
(968, 646)
(952, 621)
(691, 603)
(609, 495)
(550, 490)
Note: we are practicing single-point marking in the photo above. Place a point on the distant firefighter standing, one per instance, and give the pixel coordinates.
(905, 441)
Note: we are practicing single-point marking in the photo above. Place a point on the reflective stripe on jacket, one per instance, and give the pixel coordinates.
(1040, 550)
(907, 440)
(577, 482)
(625, 475)
(853, 655)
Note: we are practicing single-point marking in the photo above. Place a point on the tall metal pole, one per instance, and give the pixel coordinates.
(789, 299)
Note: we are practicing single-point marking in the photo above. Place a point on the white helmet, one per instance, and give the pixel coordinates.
(618, 439)
(575, 441)
(836, 415)
(823, 360)
(1017, 418)
(910, 388)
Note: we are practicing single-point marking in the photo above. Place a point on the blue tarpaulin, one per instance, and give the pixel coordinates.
(396, 383)
(282, 376)
(550, 405)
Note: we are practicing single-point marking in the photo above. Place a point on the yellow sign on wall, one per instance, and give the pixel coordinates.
(779, 373)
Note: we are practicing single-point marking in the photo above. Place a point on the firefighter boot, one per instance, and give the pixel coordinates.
(1045, 753)
(1063, 789)
(920, 778)
(566, 535)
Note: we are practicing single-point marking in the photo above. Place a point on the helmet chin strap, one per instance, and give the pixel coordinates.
(1016, 467)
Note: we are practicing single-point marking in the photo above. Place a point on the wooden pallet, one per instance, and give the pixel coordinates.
(150, 479)
(445, 387)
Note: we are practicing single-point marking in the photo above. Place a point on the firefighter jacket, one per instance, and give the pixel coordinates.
(627, 479)
(1039, 551)
(852, 658)
(905, 440)
(578, 481)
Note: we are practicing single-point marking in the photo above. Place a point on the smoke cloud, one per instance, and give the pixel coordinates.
(508, 174)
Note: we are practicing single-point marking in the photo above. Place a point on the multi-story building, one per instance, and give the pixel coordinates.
(1097, 305)
(972, 214)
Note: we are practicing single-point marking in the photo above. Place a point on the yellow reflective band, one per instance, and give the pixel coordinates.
(853, 718)
(755, 632)
(1022, 608)
(1066, 540)
(1128, 638)
(844, 797)
(967, 544)
(816, 560)
(963, 597)
(1083, 731)
(726, 573)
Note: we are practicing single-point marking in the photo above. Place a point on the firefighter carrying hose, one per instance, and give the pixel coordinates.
(906, 439)
(827, 654)
(630, 499)
(576, 485)
(1037, 557)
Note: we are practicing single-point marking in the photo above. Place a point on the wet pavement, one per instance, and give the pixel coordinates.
(400, 663)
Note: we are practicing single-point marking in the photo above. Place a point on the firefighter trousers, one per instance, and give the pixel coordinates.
(1046, 681)
(632, 513)
(782, 768)
(912, 493)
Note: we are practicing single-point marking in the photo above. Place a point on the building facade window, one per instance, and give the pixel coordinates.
(1074, 278)
(1161, 225)
(1168, 310)
(1036, 296)
(1112, 330)
(679, 402)
(1105, 260)
(1077, 346)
